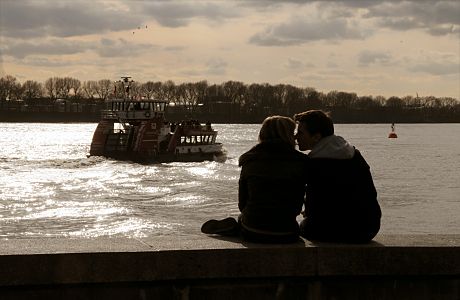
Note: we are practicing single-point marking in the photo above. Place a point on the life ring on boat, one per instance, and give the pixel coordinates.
(147, 114)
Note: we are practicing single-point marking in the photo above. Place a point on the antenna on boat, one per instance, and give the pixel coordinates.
(125, 80)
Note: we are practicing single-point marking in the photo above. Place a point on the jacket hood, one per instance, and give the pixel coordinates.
(332, 146)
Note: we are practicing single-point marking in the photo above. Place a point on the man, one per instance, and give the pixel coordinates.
(341, 199)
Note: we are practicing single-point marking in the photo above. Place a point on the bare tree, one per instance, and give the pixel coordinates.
(394, 102)
(366, 102)
(235, 92)
(89, 89)
(62, 88)
(201, 88)
(312, 98)
(151, 89)
(51, 87)
(104, 88)
(75, 86)
(9, 88)
(186, 95)
(32, 89)
(168, 92)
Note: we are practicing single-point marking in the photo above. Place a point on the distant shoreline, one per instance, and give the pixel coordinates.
(78, 117)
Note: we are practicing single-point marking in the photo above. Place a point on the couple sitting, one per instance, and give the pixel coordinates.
(333, 182)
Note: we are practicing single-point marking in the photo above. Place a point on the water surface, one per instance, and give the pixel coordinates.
(49, 188)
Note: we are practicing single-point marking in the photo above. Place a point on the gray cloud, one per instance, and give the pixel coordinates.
(45, 62)
(339, 20)
(23, 19)
(177, 14)
(367, 57)
(104, 48)
(297, 32)
(216, 66)
(295, 64)
(121, 47)
(435, 17)
(44, 47)
(436, 68)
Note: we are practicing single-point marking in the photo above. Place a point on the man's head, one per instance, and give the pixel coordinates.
(313, 126)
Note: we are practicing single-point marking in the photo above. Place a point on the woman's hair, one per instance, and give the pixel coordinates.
(316, 121)
(276, 129)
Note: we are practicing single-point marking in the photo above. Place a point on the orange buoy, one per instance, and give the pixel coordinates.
(392, 134)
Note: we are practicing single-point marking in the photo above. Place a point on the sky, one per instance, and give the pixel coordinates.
(378, 48)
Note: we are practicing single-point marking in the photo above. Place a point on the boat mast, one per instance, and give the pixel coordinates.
(125, 80)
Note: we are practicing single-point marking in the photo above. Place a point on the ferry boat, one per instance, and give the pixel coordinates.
(137, 130)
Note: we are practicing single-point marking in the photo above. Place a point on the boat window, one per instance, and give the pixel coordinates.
(144, 106)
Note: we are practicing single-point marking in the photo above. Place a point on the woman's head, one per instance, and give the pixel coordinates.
(276, 129)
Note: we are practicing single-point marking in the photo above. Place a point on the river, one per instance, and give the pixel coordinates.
(50, 188)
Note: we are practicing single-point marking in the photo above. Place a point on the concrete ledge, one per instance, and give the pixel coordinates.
(206, 266)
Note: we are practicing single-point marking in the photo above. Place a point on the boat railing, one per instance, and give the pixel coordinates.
(131, 115)
(203, 139)
(108, 114)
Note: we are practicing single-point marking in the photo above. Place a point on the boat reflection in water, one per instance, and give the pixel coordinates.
(137, 130)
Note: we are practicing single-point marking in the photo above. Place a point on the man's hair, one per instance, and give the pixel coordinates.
(316, 121)
(276, 129)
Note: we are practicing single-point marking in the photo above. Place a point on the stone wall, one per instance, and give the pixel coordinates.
(392, 267)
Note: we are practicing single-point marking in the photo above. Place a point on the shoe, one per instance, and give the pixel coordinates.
(227, 226)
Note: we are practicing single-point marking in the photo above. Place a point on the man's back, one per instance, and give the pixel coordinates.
(341, 202)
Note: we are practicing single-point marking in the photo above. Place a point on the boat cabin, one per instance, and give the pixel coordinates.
(134, 110)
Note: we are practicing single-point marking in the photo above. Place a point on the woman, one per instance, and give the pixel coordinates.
(271, 187)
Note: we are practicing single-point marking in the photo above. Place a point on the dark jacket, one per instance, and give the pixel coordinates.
(341, 201)
(271, 187)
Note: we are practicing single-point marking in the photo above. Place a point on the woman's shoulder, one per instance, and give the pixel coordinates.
(272, 151)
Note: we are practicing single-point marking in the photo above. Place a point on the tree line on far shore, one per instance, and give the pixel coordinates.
(232, 99)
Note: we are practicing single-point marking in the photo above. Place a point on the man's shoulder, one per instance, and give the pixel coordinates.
(357, 161)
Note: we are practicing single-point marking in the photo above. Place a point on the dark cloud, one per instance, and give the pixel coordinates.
(35, 18)
(23, 19)
(177, 14)
(435, 17)
(297, 32)
(339, 20)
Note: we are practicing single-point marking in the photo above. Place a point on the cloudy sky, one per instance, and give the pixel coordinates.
(388, 48)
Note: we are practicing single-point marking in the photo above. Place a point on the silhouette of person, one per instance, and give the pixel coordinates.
(271, 188)
(341, 199)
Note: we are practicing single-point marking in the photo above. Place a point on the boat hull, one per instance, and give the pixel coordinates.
(167, 157)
